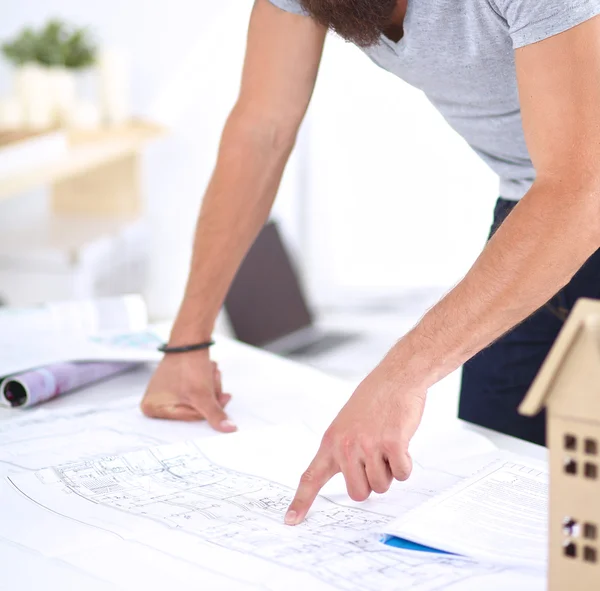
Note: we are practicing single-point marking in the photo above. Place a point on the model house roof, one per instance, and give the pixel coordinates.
(585, 316)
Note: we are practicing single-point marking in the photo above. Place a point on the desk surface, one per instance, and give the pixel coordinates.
(267, 390)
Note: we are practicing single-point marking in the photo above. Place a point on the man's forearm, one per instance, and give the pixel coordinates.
(240, 195)
(535, 253)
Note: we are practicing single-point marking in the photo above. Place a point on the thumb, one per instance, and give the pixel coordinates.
(216, 416)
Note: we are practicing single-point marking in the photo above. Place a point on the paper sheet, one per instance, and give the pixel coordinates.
(220, 501)
(20, 575)
(498, 515)
(38, 337)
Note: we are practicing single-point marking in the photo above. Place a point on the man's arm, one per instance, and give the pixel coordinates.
(551, 232)
(538, 249)
(282, 60)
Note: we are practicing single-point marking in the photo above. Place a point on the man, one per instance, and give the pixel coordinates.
(520, 80)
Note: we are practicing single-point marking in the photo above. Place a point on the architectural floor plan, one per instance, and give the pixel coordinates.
(176, 498)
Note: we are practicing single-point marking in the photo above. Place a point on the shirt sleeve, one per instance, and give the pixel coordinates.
(289, 6)
(530, 21)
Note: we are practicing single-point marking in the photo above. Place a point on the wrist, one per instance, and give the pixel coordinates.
(184, 337)
(415, 366)
(190, 328)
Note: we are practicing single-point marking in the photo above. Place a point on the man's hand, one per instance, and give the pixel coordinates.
(187, 387)
(367, 442)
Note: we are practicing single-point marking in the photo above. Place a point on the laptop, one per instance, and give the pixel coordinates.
(267, 306)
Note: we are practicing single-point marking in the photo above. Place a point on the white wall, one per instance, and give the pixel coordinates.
(186, 64)
(397, 199)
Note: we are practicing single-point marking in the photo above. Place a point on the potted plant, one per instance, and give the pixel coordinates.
(31, 83)
(46, 64)
(64, 51)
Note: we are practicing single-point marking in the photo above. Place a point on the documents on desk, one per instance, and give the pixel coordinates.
(54, 333)
(212, 509)
(499, 514)
(53, 349)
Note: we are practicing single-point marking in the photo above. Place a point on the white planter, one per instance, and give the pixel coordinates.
(32, 86)
(63, 92)
(12, 116)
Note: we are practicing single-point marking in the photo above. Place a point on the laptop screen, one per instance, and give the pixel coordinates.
(265, 301)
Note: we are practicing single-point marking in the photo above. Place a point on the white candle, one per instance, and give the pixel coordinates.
(115, 83)
(63, 91)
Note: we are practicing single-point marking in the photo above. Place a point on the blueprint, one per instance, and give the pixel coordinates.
(195, 500)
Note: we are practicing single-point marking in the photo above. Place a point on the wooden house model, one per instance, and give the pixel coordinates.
(568, 386)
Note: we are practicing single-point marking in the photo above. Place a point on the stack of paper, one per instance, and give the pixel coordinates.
(498, 515)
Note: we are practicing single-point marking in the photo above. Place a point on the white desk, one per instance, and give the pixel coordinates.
(267, 390)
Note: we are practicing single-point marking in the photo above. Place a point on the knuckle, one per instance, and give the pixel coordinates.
(308, 478)
(391, 446)
(346, 446)
(368, 445)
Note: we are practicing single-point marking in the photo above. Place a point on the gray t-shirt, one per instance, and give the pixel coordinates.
(460, 53)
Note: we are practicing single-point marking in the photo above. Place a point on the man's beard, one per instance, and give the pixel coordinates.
(358, 21)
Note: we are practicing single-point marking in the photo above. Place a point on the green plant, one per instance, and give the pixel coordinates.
(57, 44)
(22, 49)
(50, 47)
(79, 50)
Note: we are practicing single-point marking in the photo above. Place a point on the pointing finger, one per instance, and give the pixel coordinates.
(322, 469)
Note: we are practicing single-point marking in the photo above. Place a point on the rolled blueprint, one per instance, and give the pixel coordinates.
(38, 385)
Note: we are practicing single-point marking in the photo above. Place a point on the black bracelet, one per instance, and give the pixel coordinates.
(186, 348)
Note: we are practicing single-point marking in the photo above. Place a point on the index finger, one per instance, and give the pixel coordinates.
(321, 470)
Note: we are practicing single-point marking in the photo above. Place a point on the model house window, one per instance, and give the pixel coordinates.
(590, 531)
(570, 550)
(591, 447)
(589, 554)
(591, 471)
(570, 466)
(570, 527)
(570, 442)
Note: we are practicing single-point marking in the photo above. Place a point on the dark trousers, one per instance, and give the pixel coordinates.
(496, 380)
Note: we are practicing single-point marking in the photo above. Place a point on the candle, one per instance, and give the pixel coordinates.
(114, 74)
